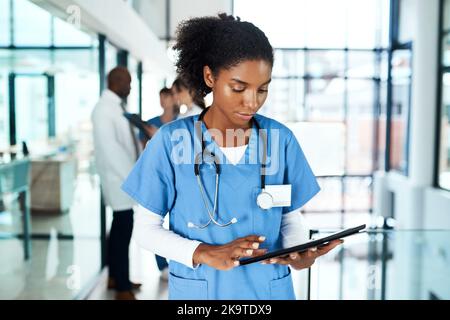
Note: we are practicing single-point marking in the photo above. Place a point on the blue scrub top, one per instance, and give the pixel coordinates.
(163, 181)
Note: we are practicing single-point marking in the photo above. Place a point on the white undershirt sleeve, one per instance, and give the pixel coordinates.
(150, 234)
(294, 229)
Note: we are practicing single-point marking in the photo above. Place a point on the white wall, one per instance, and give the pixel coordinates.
(154, 12)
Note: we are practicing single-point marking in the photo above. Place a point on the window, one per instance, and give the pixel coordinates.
(133, 99)
(443, 178)
(66, 34)
(401, 103)
(32, 25)
(327, 88)
(111, 56)
(4, 23)
(307, 23)
(31, 122)
(151, 84)
(4, 110)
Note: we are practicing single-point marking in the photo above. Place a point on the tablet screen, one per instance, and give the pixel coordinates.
(304, 246)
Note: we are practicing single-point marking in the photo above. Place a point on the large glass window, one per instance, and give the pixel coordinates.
(66, 34)
(401, 103)
(151, 84)
(444, 159)
(443, 178)
(37, 33)
(306, 23)
(327, 88)
(53, 91)
(133, 99)
(4, 23)
(31, 108)
(111, 56)
(4, 110)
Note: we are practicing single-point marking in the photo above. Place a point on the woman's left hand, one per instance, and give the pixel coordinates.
(305, 259)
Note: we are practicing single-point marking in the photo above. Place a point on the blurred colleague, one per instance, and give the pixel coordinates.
(116, 151)
(170, 112)
(188, 100)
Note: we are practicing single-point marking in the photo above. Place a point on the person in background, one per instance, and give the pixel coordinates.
(116, 150)
(189, 101)
(168, 105)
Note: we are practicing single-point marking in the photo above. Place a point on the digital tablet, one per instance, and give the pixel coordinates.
(136, 120)
(304, 246)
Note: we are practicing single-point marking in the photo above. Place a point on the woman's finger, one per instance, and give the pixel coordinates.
(249, 244)
(242, 252)
(325, 249)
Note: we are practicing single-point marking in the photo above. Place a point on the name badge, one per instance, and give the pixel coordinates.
(281, 194)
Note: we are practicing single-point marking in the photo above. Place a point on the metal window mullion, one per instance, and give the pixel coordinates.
(51, 110)
(139, 76)
(12, 109)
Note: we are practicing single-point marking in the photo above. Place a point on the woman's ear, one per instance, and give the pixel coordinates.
(208, 76)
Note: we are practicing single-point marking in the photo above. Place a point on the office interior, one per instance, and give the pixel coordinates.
(363, 84)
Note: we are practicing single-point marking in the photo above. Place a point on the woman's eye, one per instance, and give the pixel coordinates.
(238, 89)
(263, 90)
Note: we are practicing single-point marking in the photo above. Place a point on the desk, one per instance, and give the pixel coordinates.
(52, 184)
(14, 178)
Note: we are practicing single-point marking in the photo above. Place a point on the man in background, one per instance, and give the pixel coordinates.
(116, 151)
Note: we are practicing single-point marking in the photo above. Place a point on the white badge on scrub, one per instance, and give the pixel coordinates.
(280, 194)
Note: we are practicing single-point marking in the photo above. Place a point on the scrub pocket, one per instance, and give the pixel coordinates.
(187, 289)
(282, 289)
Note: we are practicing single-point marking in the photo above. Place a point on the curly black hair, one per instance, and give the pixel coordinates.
(220, 43)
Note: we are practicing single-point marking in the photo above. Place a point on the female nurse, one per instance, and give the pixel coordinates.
(231, 180)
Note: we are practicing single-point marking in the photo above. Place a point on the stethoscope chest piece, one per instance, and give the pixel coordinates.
(265, 200)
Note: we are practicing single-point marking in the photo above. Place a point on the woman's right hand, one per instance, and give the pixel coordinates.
(226, 257)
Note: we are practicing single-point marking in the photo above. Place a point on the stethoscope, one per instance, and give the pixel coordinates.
(264, 199)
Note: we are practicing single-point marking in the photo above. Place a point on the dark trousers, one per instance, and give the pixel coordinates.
(119, 242)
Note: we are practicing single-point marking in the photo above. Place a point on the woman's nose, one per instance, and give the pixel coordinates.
(251, 100)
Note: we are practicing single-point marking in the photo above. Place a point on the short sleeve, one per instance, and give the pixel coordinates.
(151, 183)
(298, 173)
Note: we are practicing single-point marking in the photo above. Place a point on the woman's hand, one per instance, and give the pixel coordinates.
(305, 259)
(227, 256)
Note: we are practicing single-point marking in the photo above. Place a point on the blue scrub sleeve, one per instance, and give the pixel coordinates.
(151, 183)
(298, 173)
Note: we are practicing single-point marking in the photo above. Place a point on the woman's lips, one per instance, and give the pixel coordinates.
(244, 116)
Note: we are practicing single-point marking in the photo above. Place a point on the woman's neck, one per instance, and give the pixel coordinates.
(225, 133)
(167, 116)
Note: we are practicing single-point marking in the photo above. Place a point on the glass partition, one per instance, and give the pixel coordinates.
(385, 265)
(49, 84)
(443, 162)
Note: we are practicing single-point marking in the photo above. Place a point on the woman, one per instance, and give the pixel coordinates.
(192, 101)
(211, 170)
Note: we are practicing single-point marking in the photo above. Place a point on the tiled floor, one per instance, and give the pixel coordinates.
(143, 269)
(65, 254)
